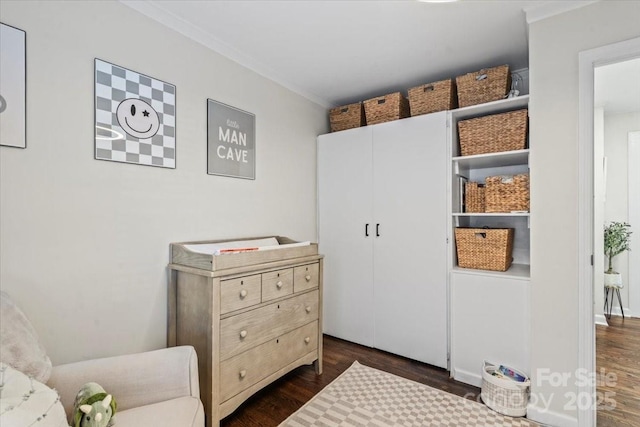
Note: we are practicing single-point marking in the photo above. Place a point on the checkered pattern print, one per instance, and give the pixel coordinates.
(117, 141)
(367, 397)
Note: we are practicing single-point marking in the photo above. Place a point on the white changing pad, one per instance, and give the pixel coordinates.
(237, 246)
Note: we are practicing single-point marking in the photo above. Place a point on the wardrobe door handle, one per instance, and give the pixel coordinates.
(377, 230)
(366, 230)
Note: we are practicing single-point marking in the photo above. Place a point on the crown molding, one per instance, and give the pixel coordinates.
(553, 8)
(153, 10)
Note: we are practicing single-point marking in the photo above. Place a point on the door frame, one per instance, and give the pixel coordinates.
(633, 179)
(588, 61)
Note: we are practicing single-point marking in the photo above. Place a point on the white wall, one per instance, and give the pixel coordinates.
(85, 243)
(555, 43)
(616, 135)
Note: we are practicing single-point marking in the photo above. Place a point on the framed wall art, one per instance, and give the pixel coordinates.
(13, 87)
(135, 117)
(231, 141)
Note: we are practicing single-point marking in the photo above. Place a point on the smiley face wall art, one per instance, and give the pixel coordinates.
(135, 120)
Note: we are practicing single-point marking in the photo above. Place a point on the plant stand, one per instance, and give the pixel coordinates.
(612, 285)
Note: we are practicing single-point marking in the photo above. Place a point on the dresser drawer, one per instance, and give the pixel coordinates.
(246, 330)
(240, 293)
(305, 277)
(246, 369)
(276, 284)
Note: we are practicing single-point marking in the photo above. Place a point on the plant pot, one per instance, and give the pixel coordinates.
(612, 279)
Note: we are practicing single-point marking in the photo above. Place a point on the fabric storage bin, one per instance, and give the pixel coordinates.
(494, 133)
(484, 248)
(488, 84)
(507, 193)
(474, 198)
(432, 97)
(504, 395)
(386, 108)
(346, 117)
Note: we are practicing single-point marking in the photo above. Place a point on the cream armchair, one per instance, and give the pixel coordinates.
(157, 388)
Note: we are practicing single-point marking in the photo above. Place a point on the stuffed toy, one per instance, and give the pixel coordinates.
(93, 407)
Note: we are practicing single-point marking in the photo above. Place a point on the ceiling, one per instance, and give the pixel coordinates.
(338, 52)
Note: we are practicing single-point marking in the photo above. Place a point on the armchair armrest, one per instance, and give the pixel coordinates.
(134, 380)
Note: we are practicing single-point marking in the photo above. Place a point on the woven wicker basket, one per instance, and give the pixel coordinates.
(484, 248)
(386, 108)
(432, 97)
(489, 84)
(474, 197)
(346, 117)
(507, 193)
(494, 133)
(504, 395)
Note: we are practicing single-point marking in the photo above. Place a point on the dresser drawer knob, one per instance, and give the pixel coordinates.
(307, 340)
(308, 278)
(243, 293)
(279, 284)
(243, 373)
(243, 333)
(308, 309)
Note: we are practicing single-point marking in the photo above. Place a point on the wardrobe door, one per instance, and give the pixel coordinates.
(346, 230)
(410, 249)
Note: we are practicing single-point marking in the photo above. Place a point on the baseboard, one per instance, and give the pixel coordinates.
(467, 377)
(550, 418)
(601, 320)
(615, 311)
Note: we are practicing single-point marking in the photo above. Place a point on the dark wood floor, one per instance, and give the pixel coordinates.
(618, 366)
(273, 404)
(618, 353)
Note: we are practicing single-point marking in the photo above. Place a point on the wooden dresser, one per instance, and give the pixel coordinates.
(251, 316)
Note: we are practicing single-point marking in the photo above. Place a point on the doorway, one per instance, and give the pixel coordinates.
(616, 196)
(589, 61)
(616, 180)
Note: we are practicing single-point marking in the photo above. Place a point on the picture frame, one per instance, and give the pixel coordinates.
(135, 117)
(231, 141)
(13, 87)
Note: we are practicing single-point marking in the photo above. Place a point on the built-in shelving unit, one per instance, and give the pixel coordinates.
(477, 168)
(489, 310)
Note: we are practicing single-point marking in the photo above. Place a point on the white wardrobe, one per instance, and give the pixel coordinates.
(382, 197)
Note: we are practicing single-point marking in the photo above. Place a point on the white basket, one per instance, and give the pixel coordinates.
(504, 395)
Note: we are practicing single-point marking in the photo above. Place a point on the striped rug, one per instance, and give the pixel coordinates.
(364, 396)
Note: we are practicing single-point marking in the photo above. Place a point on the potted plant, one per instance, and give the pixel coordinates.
(616, 240)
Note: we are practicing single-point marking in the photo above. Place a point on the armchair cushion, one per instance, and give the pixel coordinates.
(183, 411)
(19, 343)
